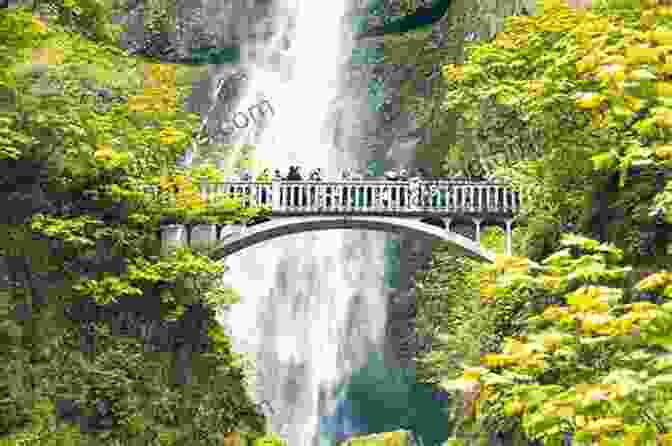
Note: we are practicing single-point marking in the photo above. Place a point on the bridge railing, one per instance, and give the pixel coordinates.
(372, 196)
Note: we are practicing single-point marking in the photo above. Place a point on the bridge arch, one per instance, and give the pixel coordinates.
(268, 230)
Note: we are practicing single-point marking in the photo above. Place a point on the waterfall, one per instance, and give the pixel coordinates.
(313, 305)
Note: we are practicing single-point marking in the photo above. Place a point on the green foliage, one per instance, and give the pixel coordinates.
(70, 230)
(85, 169)
(575, 365)
(447, 295)
(558, 128)
(270, 440)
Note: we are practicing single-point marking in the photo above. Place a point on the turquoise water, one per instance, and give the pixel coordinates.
(379, 399)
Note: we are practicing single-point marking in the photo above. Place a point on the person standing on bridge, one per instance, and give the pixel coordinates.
(421, 173)
(294, 174)
(316, 175)
(425, 189)
(264, 176)
(391, 175)
(245, 175)
(414, 192)
(356, 175)
(315, 198)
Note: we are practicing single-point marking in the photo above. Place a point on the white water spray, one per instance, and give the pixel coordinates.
(313, 304)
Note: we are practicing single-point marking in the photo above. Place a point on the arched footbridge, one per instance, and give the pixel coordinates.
(452, 211)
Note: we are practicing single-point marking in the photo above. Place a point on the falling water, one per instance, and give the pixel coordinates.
(313, 304)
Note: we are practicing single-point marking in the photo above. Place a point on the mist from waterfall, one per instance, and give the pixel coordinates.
(313, 305)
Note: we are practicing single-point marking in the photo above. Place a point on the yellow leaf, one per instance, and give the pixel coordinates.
(612, 72)
(664, 152)
(535, 87)
(488, 292)
(603, 425)
(497, 360)
(616, 59)
(552, 342)
(505, 263)
(103, 153)
(593, 321)
(553, 282)
(632, 438)
(48, 56)
(472, 373)
(647, 19)
(633, 103)
(558, 409)
(489, 391)
(641, 55)
(589, 101)
(38, 27)
(550, 5)
(586, 298)
(587, 63)
(566, 411)
(554, 312)
(666, 439)
(641, 307)
(516, 408)
(664, 89)
(654, 281)
(663, 119)
(662, 37)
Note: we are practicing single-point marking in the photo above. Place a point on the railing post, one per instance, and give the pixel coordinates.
(305, 196)
(335, 197)
(275, 195)
(253, 193)
(173, 237)
(471, 198)
(302, 194)
(459, 197)
(288, 199)
(413, 194)
(499, 198)
(508, 236)
(477, 222)
(365, 197)
(322, 197)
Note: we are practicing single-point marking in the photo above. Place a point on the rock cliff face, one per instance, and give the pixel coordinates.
(394, 139)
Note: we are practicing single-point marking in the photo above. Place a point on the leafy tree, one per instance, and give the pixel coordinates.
(106, 339)
(577, 362)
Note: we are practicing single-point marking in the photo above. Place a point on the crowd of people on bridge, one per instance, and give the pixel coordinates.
(295, 173)
(422, 195)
